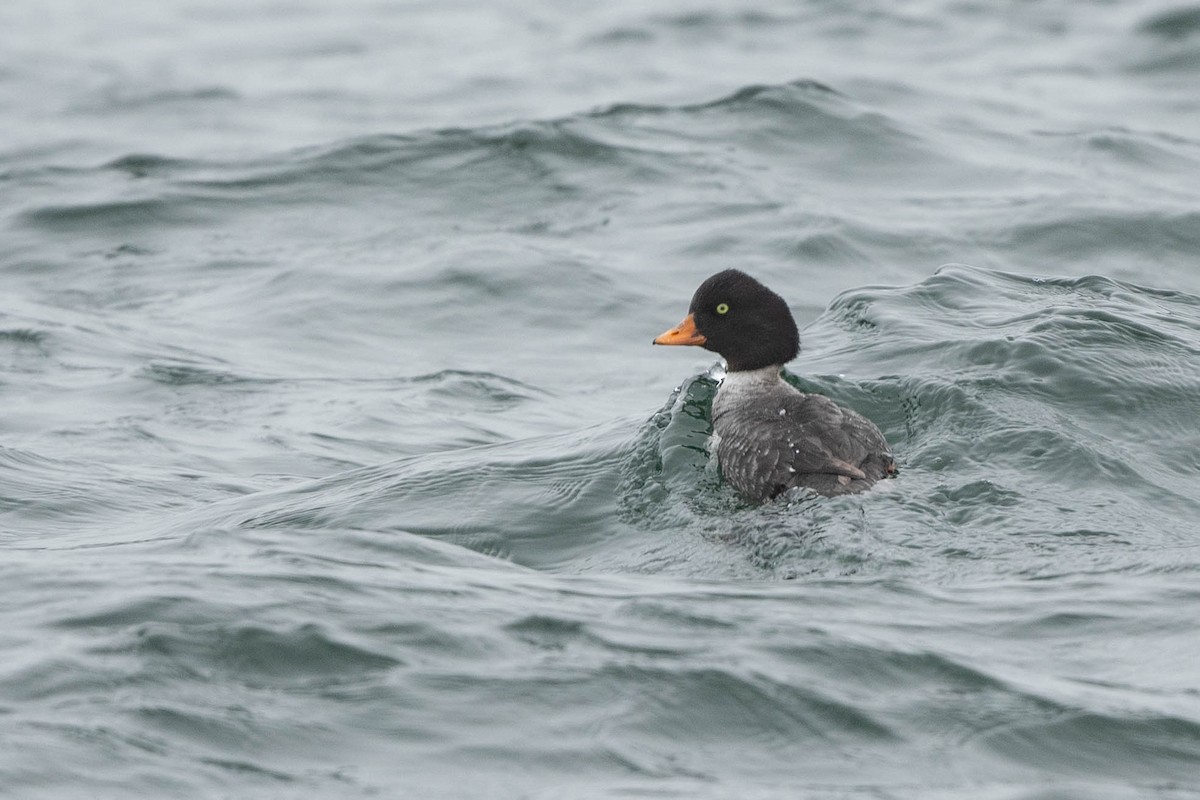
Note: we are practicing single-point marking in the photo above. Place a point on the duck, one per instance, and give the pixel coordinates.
(772, 437)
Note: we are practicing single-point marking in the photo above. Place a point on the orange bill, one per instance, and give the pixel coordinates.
(683, 333)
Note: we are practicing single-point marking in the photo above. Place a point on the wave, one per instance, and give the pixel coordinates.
(584, 157)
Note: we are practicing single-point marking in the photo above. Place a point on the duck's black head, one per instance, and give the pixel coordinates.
(734, 315)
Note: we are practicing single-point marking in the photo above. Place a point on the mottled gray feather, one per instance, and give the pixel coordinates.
(774, 437)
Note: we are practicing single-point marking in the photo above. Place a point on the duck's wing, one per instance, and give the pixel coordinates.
(804, 440)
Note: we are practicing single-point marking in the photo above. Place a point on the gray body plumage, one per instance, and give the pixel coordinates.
(773, 437)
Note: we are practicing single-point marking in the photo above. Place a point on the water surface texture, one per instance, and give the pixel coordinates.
(335, 460)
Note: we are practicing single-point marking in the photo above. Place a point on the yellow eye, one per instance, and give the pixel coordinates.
(722, 308)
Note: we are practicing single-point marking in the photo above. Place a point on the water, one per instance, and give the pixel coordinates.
(335, 460)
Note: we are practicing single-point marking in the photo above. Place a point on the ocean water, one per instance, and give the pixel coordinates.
(335, 460)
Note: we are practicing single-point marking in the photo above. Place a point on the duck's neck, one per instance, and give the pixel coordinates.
(744, 389)
(749, 380)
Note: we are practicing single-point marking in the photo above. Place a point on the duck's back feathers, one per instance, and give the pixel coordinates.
(774, 438)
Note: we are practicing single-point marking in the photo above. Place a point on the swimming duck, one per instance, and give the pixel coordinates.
(772, 436)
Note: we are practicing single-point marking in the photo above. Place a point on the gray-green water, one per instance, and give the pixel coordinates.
(335, 460)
